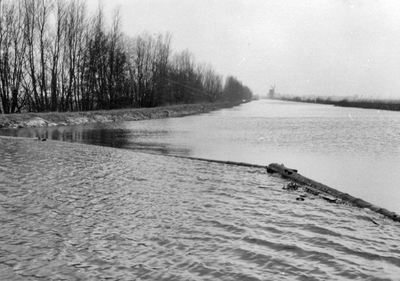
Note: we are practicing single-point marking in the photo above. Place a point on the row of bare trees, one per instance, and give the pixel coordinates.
(57, 56)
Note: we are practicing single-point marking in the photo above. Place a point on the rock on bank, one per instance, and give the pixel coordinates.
(25, 120)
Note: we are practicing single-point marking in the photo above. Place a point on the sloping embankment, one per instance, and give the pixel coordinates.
(316, 187)
(328, 193)
(24, 120)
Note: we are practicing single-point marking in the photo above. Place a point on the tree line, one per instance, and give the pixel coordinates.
(57, 56)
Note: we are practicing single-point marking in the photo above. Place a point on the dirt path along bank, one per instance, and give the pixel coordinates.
(25, 120)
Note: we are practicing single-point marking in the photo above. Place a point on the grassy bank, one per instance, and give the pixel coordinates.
(376, 104)
(393, 105)
(105, 116)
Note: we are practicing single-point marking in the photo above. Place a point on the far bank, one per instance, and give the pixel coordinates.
(392, 105)
(26, 120)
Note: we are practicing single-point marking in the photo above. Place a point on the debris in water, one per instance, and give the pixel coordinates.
(291, 186)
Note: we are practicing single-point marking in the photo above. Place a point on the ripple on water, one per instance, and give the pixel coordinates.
(77, 212)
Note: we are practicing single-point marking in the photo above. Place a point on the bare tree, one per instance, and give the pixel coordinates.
(42, 22)
(116, 66)
(12, 55)
(234, 90)
(30, 35)
(54, 56)
(95, 62)
(186, 80)
(74, 47)
(58, 39)
(160, 67)
(212, 83)
(140, 68)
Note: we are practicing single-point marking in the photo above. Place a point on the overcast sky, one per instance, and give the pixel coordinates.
(304, 47)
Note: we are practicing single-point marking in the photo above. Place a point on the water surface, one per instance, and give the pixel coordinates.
(71, 211)
(353, 150)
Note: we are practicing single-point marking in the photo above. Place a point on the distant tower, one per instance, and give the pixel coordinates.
(271, 93)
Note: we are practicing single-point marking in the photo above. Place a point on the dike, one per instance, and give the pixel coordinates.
(25, 120)
(328, 193)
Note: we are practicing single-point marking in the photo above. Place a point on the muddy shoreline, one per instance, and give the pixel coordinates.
(26, 120)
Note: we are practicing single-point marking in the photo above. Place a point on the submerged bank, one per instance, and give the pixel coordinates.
(25, 120)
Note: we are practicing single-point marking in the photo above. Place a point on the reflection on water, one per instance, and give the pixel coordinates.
(79, 212)
(353, 150)
(113, 135)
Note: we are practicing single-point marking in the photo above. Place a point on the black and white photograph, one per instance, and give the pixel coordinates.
(199, 140)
